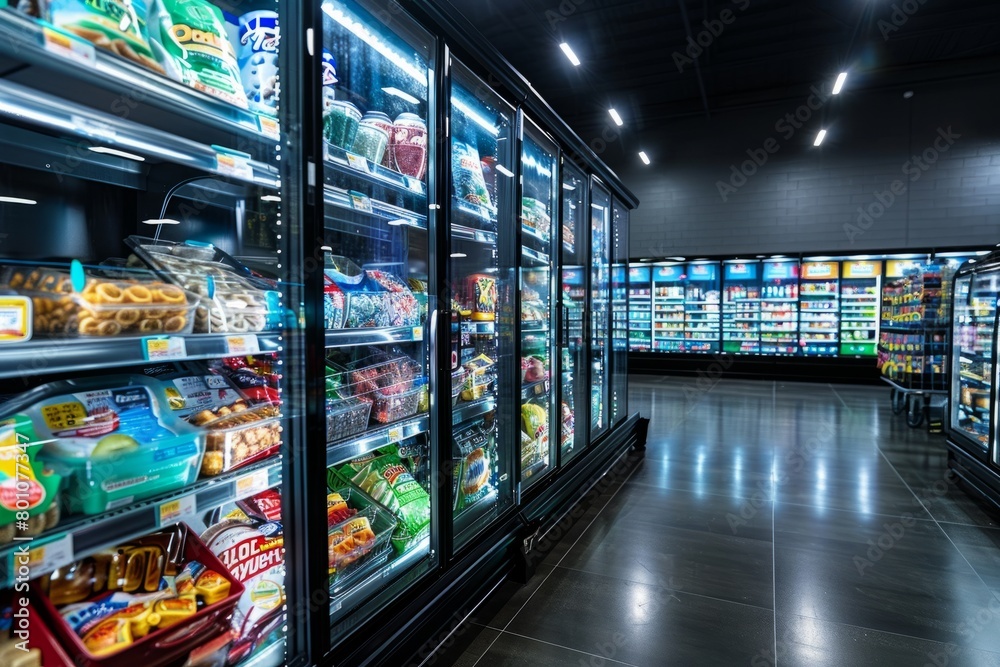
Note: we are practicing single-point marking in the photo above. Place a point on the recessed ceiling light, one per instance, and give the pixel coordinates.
(820, 137)
(114, 151)
(569, 54)
(396, 92)
(644, 157)
(839, 84)
(615, 117)
(270, 198)
(18, 200)
(505, 171)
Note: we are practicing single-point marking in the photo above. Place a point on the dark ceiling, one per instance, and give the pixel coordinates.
(635, 52)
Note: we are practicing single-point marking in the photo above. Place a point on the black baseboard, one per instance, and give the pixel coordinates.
(836, 370)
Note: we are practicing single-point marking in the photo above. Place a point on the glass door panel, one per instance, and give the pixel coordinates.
(640, 308)
(485, 375)
(701, 308)
(619, 312)
(779, 312)
(668, 308)
(972, 356)
(741, 307)
(860, 287)
(376, 108)
(820, 313)
(573, 344)
(600, 318)
(537, 289)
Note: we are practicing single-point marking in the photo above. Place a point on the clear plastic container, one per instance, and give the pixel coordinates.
(457, 383)
(349, 565)
(389, 407)
(346, 417)
(238, 435)
(141, 305)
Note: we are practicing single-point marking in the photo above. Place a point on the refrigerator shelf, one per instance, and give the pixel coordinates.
(92, 129)
(534, 389)
(473, 214)
(79, 536)
(531, 236)
(345, 163)
(464, 233)
(363, 211)
(59, 355)
(380, 436)
(538, 258)
(464, 412)
(22, 39)
(373, 336)
(769, 299)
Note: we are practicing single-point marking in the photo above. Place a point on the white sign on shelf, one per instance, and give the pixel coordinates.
(66, 46)
(357, 162)
(181, 509)
(164, 348)
(236, 166)
(251, 484)
(47, 557)
(361, 203)
(244, 344)
(269, 127)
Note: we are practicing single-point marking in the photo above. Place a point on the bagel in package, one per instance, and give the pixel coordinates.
(118, 26)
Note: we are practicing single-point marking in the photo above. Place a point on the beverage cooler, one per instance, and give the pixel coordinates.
(779, 313)
(640, 308)
(972, 436)
(292, 352)
(819, 295)
(860, 290)
(668, 308)
(741, 307)
(701, 307)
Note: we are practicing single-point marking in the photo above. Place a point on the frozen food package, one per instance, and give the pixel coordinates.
(21, 469)
(467, 170)
(118, 26)
(259, 36)
(193, 33)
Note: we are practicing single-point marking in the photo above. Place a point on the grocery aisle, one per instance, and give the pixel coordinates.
(768, 523)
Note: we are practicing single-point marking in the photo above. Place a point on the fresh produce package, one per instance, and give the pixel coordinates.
(248, 539)
(138, 599)
(118, 26)
(112, 439)
(383, 476)
(194, 35)
(345, 414)
(19, 465)
(388, 381)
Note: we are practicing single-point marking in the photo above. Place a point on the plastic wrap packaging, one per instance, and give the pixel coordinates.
(113, 25)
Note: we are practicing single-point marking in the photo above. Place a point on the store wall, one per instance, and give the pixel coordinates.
(749, 181)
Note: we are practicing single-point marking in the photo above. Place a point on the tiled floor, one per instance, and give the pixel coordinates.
(767, 524)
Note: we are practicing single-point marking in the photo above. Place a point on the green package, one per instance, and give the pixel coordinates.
(193, 33)
(113, 25)
(25, 484)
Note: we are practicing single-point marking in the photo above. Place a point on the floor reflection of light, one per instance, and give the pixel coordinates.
(864, 502)
(699, 473)
(820, 489)
(639, 599)
(738, 471)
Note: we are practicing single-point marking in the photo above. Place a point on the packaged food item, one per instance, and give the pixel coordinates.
(383, 122)
(481, 375)
(533, 369)
(345, 414)
(20, 467)
(111, 439)
(341, 120)
(472, 467)
(481, 295)
(255, 376)
(409, 145)
(535, 217)
(372, 137)
(387, 383)
(372, 298)
(467, 171)
(118, 26)
(334, 304)
(106, 306)
(259, 37)
(359, 532)
(193, 33)
(238, 434)
(16, 319)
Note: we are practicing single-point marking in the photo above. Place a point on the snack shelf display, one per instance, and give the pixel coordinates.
(819, 308)
(640, 308)
(860, 290)
(702, 301)
(741, 307)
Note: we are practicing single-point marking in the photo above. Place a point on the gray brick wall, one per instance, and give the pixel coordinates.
(805, 199)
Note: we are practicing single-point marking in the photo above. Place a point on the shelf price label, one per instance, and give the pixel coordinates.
(251, 484)
(164, 348)
(64, 45)
(396, 433)
(237, 166)
(357, 162)
(175, 511)
(239, 346)
(269, 127)
(361, 203)
(47, 557)
(418, 333)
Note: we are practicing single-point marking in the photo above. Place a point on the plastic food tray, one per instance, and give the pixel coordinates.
(163, 646)
(389, 407)
(346, 417)
(382, 522)
(457, 382)
(107, 306)
(240, 438)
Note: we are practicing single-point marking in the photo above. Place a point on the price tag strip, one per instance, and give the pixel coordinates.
(239, 346)
(251, 484)
(67, 46)
(231, 163)
(269, 127)
(175, 511)
(45, 558)
(164, 348)
(358, 162)
(361, 203)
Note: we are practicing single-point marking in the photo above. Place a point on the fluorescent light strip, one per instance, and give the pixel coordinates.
(839, 85)
(569, 54)
(615, 117)
(396, 92)
(820, 137)
(644, 157)
(567, 186)
(479, 120)
(458, 255)
(117, 153)
(17, 200)
(373, 41)
(270, 198)
(505, 171)
(161, 221)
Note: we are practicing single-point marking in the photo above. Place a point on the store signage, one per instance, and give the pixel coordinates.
(45, 558)
(638, 274)
(741, 270)
(862, 269)
(164, 348)
(702, 271)
(269, 127)
(663, 274)
(67, 46)
(897, 268)
(820, 270)
(780, 270)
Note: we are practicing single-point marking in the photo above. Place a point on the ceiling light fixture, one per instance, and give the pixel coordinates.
(17, 200)
(820, 137)
(644, 157)
(569, 54)
(615, 117)
(114, 151)
(839, 84)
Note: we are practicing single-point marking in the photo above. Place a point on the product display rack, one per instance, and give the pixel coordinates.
(668, 308)
(860, 289)
(741, 307)
(819, 295)
(640, 310)
(701, 308)
(779, 308)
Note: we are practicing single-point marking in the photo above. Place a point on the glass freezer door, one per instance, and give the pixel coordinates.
(972, 357)
(600, 297)
(537, 288)
(640, 308)
(741, 307)
(573, 344)
(485, 374)
(376, 107)
(619, 312)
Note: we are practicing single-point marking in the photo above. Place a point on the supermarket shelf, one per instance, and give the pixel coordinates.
(872, 297)
(972, 357)
(858, 319)
(465, 233)
(769, 299)
(534, 389)
(373, 336)
(540, 259)
(59, 355)
(66, 119)
(361, 444)
(812, 294)
(745, 299)
(472, 214)
(79, 536)
(343, 602)
(533, 237)
(365, 210)
(534, 469)
(703, 303)
(534, 326)
(21, 39)
(464, 412)
(345, 163)
(674, 338)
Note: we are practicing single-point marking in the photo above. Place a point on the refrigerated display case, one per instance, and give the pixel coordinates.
(972, 370)
(600, 307)
(860, 287)
(819, 300)
(538, 409)
(640, 308)
(573, 368)
(701, 308)
(481, 267)
(619, 312)
(668, 308)
(779, 317)
(741, 307)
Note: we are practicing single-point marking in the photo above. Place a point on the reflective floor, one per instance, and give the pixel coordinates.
(767, 524)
